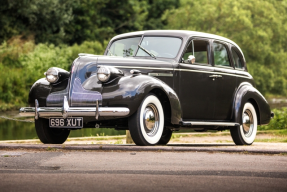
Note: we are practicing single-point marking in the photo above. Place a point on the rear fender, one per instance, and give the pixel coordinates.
(247, 93)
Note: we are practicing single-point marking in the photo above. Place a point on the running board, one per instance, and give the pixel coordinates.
(195, 123)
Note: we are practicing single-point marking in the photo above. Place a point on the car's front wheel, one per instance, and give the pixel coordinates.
(49, 135)
(165, 138)
(146, 125)
(245, 134)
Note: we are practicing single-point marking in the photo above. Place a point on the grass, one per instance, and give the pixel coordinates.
(272, 140)
(51, 149)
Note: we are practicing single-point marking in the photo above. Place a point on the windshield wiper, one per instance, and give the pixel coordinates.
(152, 55)
(110, 52)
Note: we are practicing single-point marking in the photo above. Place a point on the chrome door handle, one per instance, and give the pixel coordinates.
(215, 76)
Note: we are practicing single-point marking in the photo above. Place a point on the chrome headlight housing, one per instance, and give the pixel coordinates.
(55, 74)
(104, 74)
(52, 75)
(108, 73)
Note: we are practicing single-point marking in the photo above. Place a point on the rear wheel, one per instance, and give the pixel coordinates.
(245, 134)
(49, 135)
(146, 125)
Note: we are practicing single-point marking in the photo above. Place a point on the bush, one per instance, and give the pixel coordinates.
(278, 122)
(21, 68)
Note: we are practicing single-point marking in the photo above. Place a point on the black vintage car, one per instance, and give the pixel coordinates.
(152, 83)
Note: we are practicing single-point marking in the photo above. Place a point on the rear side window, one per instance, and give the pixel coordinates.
(237, 59)
(220, 55)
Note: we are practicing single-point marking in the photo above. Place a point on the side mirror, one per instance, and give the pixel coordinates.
(191, 59)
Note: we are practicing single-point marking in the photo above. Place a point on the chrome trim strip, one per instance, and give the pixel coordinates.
(192, 123)
(161, 74)
(127, 67)
(214, 72)
(188, 70)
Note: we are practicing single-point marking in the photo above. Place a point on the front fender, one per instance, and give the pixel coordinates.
(40, 90)
(129, 91)
(247, 93)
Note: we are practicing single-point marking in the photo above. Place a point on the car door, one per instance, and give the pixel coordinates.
(196, 88)
(225, 80)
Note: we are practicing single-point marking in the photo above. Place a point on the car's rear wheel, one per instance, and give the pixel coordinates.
(49, 135)
(245, 134)
(146, 125)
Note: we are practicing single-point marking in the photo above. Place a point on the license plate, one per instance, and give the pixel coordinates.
(75, 122)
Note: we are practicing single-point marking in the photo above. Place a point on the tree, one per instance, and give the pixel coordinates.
(45, 20)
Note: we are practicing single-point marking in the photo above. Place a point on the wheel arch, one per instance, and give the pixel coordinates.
(161, 95)
(247, 93)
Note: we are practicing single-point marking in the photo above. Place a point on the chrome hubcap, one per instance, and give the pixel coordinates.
(248, 123)
(151, 119)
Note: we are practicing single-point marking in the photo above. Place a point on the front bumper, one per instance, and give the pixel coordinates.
(67, 111)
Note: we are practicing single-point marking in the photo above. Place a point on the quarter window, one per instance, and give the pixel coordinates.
(220, 55)
(237, 60)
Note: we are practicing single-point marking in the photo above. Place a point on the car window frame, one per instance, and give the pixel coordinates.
(228, 54)
(190, 40)
(240, 56)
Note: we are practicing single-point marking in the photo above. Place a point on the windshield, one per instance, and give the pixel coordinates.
(167, 47)
(160, 46)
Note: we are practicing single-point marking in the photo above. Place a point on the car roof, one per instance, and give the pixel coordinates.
(179, 33)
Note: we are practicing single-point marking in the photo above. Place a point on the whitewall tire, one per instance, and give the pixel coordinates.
(245, 134)
(146, 125)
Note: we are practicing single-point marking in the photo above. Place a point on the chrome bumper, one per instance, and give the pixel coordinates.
(67, 111)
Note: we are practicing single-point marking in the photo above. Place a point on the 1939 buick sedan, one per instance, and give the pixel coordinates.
(152, 83)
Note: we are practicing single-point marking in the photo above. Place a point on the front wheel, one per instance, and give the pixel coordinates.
(49, 135)
(245, 134)
(146, 125)
(165, 138)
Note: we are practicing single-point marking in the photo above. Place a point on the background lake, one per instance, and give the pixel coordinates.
(15, 130)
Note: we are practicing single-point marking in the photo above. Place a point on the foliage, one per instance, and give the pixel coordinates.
(279, 121)
(21, 71)
(76, 21)
(43, 19)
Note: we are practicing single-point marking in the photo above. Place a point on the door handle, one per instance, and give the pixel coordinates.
(215, 76)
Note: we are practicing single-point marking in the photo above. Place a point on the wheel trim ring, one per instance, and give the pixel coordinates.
(248, 123)
(154, 100)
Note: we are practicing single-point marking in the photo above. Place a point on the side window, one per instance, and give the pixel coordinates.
(201, 51)
(237, 60)
(220, 55)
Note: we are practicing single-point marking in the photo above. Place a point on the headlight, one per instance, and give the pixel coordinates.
(104, 74)
(52, 75)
